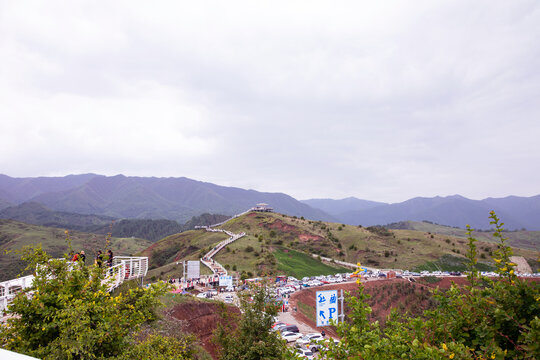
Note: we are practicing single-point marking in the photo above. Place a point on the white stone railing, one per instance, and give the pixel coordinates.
(9, 289)
(223, 222)
(124, 268)
(207, 260)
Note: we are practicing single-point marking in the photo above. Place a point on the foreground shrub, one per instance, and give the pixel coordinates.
(490, 319)
(69, 314)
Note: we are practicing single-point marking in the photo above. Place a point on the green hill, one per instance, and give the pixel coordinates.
(520, 239)
(270, 235)
(15, 235)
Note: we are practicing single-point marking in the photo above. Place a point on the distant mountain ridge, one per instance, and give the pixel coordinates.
(338, 207)
(121, 196)
(180, 199)
(516, 212)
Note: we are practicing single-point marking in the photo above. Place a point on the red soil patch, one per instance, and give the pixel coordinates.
(280, 225)
(202, 319)
(306, 237)
(386, 294)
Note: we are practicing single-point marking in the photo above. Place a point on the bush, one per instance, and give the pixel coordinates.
(252, 339)
(489, 319)
(71, 314)
(158, 347)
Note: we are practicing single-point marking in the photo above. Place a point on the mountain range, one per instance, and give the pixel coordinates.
(179, 199)
(121, 196)
(516, 212)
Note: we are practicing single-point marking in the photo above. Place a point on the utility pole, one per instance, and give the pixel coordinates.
(184, 270)
(342, 314)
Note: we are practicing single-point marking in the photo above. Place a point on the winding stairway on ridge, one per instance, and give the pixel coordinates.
(217, 268)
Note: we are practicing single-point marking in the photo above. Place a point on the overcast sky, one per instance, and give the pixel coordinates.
(380, 100)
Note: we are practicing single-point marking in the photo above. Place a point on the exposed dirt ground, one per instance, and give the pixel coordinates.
(386, 294)
(202, 319)
(522, 264)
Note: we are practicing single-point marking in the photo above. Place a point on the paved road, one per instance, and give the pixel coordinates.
(288, 318)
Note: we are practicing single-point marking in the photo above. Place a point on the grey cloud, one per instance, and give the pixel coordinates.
(328, 100)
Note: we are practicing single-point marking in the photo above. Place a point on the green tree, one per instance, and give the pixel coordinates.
(158, 347)
(68, 313)
(252, 339)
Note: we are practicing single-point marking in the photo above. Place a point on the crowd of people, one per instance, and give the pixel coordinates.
(100, 258)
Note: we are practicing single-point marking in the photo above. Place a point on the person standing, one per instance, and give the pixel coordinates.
(99, 258)
(82, 257)
(110, 259)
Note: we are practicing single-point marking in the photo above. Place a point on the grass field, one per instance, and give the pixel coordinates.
(294, 263)
(451, 263)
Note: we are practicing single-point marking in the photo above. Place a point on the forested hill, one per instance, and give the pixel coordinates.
(155, 230)
(128, 197)
(149, 229)
(37, 214)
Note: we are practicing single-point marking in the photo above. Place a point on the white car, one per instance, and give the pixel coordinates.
(290, 336)
(308, 341)
(202, 296)
(304, 353)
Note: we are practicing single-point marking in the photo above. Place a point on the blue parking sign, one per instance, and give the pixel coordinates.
(327, 308)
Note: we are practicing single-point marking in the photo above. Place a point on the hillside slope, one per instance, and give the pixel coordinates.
(37, 214)
(520, 239)
(15, 235)
(274, 240)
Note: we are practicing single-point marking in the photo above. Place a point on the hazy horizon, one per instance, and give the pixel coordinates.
(380, 101)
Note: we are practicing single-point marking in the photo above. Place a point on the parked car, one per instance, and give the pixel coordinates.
(308, 341)
(291, 328)
(281, 327)
(202, 296)
(304, 353)
(290, 336)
